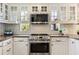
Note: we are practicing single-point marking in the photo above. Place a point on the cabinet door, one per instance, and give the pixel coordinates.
(20, 48)
(73, 47)
(20, 39)
(0, 48)
(7, 50)
(59, 48)
(77, 47)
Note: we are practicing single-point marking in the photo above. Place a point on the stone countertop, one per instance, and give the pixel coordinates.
(59, 36)
(2, 37)
(20, 35)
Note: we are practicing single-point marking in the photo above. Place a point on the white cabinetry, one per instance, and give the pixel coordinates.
(39, 8)
(21, 46)
(59, 46)
(0, 48)
(74, 47)
(7, 47)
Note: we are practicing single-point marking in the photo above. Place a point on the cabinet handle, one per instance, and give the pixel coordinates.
(26, 44)
(8, 49)
(21, 41)
(58, 41)
(8, 42)
(73, 42)
(51, 44)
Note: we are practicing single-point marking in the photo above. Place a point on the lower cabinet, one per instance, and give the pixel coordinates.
(0, 48)
(74, 47)
(8, 47)
(7, 50)
(21, 48)
(59, 46)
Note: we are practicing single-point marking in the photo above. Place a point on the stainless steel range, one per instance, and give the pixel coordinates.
(39, 44)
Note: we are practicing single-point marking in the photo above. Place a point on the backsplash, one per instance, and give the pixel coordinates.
(33, 29)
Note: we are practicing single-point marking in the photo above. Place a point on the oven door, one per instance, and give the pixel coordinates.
(39, 48)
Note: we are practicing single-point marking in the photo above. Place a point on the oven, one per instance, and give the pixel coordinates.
(40, 45)
(39, 48)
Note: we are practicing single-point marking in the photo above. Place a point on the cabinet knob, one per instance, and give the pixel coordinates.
(8, 49)
(73, 42)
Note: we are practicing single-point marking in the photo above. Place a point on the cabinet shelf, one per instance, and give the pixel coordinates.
(9, 22)
(67, 22)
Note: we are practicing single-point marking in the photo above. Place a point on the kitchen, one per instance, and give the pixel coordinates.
(39, 29)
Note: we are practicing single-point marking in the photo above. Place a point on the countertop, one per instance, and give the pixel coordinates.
(21, 35)
(2, 37)
(59, 36)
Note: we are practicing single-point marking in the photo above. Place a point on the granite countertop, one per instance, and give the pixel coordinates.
(2, 37)
(20, 35)
(59, 36)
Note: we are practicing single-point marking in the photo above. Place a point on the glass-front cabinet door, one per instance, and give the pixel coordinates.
(23, 13)
(14, 13)
(1, 11)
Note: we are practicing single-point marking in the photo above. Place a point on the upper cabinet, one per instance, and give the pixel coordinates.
(64, 13)
(3, 12)
(72, 12)
(39, 9)
(24, 13)
(6, 12)
(14, 13)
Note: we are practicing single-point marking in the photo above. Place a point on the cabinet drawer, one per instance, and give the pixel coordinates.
(1, 44)
(7, 42)
(59, 39)
(0, 50)
(20, 39)
(7, 50)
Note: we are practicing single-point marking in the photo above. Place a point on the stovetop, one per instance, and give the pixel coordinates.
(39, 37)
